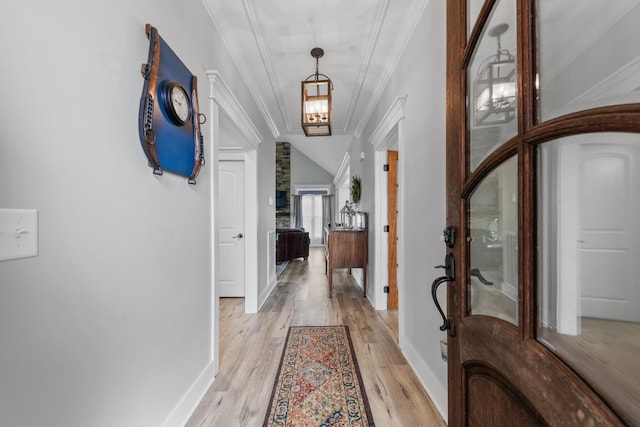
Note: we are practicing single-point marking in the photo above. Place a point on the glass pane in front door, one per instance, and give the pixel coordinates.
(492, 85)
(589, 249)
(493, 268)
(588, 55)
(473, 10)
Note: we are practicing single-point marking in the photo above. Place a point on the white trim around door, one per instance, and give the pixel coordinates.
(389, 132)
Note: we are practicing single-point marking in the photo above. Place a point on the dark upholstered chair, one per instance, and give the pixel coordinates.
(291, 243)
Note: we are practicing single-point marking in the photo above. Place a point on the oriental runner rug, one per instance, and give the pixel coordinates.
(318, 382)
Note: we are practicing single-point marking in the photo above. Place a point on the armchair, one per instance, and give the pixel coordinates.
(291, 244)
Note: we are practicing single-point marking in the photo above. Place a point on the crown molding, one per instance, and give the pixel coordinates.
(622, 82)
(257, 35)
(255, 94)
(381, 14)
(417, 12)
(224, 97)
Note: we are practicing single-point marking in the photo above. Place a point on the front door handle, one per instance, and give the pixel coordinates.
(239, 236)
(447, 324)
(449, 267)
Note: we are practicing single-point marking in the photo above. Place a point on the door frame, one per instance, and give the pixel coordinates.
(382, 140)
(222, 98)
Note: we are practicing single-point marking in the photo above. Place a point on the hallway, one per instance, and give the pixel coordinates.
(251, 345)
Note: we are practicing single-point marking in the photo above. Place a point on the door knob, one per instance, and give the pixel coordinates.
(239, 236)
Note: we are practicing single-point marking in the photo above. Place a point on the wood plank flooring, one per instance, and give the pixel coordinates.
(251, 346)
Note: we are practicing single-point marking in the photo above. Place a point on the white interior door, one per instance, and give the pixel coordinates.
(609, 218)
(231, 229)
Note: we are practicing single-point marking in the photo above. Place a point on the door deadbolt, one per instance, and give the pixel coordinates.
(449, 237)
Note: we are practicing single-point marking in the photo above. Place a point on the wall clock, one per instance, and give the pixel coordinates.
(169, 120)
(175, 101)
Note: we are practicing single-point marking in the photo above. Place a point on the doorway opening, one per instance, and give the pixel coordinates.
(244, 147)
(388, 138)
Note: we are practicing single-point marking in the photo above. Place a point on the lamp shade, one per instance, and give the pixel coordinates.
(316, 107)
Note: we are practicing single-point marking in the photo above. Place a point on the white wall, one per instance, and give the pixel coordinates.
(305, 171)
(111, 324)
(229, 136)
(420, 75)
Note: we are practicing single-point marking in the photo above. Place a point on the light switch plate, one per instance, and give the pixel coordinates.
(18, 233)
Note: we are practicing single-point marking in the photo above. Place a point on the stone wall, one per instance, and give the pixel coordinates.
(283, 182)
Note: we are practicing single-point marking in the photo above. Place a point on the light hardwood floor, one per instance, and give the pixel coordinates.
(251, 346)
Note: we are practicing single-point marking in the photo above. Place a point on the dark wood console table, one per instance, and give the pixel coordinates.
(346, 248)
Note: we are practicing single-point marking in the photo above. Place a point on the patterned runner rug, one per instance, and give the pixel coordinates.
(318, 382)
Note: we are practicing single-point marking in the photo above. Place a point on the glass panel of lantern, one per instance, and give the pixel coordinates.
(316, 107)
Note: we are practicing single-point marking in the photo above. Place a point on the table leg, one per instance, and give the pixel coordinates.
(330, 282)
(364, 281)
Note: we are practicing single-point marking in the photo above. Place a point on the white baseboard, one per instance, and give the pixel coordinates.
(358, 276)
(189, 402)
(264, 295)
(434, 389)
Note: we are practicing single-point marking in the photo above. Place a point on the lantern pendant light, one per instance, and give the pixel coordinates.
(495, 87)
(316, 101)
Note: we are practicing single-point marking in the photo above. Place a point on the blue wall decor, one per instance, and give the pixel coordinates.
(169, 119)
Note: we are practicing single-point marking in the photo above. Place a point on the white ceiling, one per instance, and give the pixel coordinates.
(271, 40)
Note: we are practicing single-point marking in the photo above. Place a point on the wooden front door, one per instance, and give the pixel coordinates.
(530, 101)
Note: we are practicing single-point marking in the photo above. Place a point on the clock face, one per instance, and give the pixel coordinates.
(176, 102)
(180, 103)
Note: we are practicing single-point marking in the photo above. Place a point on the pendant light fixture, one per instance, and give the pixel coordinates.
(495, 86)
(316, 101)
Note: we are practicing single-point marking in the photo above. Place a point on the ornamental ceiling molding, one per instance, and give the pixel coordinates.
(255, 94)
(259, 39)
(417, 12)
(381, 14)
